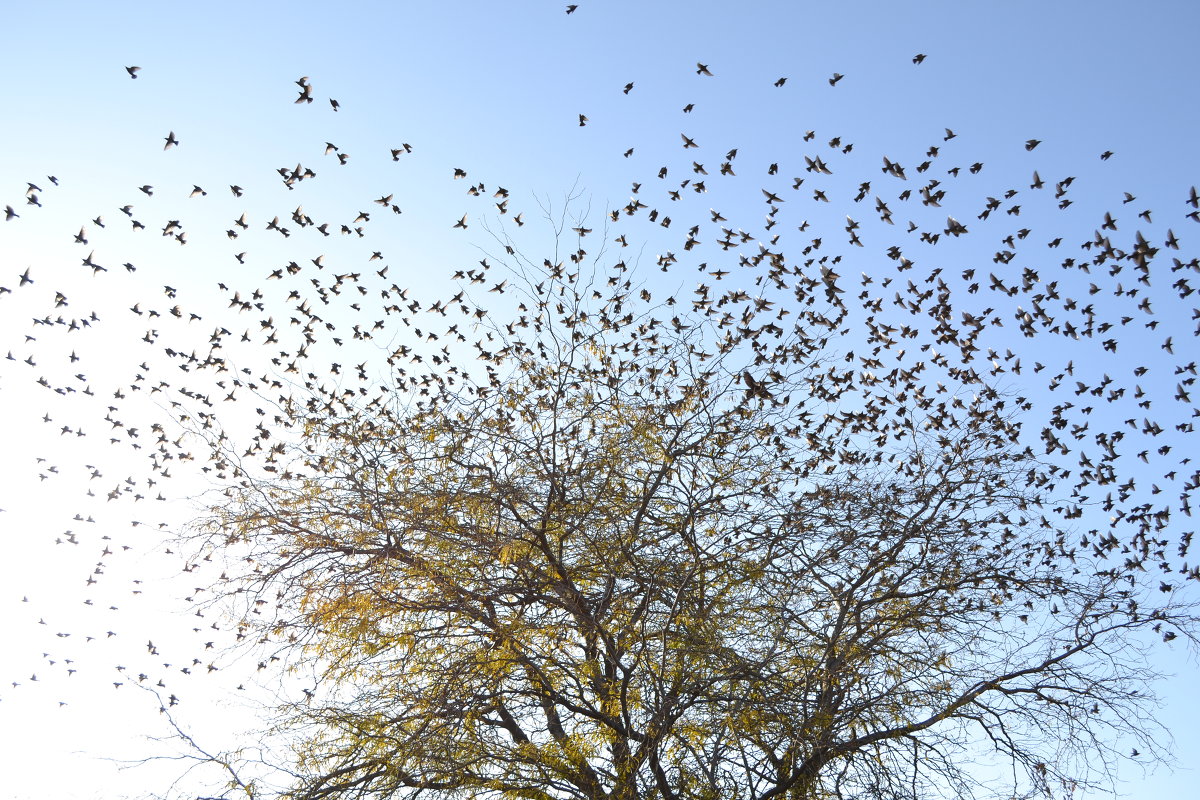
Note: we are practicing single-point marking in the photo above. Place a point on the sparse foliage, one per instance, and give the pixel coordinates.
(626, 567)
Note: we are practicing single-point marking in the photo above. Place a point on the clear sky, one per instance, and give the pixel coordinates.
(497, 91)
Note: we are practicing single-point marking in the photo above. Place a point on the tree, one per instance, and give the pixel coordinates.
(796, 532)
(679, 559)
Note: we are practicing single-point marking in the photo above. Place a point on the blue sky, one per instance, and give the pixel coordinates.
(496, 90)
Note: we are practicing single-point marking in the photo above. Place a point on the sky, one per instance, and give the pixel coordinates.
(494, 90)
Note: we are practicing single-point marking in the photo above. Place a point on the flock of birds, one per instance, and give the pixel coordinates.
(903, 346)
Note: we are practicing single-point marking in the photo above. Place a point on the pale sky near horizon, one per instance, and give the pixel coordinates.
(496, 90)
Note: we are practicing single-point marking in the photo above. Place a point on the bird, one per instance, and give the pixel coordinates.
(171, 140)
(837, 76)
(919, 58)
(133, 71)
(305, 91)
(754, 388)
(628, 88)
(702, 69)
(582, 120)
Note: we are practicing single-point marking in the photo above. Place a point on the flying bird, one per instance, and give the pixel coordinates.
(305, 91)
(754, 388)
